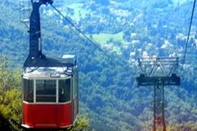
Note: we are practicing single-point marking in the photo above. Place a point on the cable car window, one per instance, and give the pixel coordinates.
(28, 90)
(64, 90)
(45, 90)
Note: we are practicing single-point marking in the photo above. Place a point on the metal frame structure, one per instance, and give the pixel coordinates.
(158, 72)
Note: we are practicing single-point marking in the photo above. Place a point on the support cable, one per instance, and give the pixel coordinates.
(93, 43)
(117, 59)
(188, 35)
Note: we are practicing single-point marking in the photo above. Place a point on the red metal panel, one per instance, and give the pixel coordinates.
(47, 115)
(65, 115)
(28, 115)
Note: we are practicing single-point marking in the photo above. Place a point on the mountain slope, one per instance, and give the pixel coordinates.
(108, 92)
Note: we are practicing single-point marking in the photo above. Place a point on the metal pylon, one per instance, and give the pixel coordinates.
(158, 72)
(159, 116)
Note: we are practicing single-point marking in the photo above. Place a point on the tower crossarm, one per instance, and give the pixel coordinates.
(158, 66)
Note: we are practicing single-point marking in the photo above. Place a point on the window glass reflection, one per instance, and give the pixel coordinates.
(64, 90)
(45, 90)
(28, 90)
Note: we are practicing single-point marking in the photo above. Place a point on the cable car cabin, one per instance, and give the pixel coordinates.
(50, 97)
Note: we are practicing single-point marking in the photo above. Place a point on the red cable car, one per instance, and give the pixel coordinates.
(50, 97)
(50, 85)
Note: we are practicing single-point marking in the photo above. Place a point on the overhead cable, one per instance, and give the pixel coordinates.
(188, 36)
(93, 43)
(121, 60)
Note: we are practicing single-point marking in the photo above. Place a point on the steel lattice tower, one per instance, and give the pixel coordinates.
(158, 72)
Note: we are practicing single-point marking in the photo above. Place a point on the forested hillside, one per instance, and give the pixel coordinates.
(125, 30)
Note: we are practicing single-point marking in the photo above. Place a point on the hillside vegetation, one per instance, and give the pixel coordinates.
(125, 30)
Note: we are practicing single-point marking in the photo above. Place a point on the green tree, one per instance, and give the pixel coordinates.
(103, 2)
(81, 124)
(10, 110)
(10, 96)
